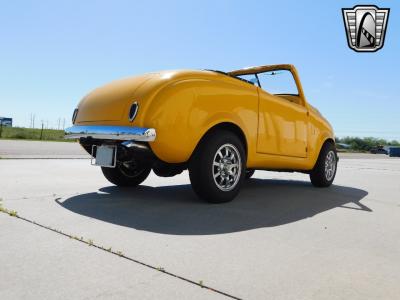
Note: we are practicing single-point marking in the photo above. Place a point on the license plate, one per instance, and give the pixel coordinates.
(106, 156)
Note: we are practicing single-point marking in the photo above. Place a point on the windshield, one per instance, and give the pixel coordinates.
(278, 82)
(252, 79)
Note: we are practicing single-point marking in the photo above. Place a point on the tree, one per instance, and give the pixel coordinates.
(366, 143)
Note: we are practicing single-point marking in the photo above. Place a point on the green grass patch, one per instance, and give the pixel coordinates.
(20, 133)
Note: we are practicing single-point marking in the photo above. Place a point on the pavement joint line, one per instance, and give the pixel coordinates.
(91, 243)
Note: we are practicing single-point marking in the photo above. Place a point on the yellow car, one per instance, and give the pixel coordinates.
(220, 126)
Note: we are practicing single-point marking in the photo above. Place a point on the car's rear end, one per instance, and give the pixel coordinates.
(108, 125)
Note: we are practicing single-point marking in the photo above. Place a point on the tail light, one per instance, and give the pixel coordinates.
(74, 115)
(133, 111)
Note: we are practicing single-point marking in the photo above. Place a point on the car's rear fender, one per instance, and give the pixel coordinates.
(183, 112)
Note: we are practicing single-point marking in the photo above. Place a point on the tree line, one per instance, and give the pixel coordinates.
(366, 143)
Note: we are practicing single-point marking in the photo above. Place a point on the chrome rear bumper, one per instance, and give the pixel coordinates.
(111, 133)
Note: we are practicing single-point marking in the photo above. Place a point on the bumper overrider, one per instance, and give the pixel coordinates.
(100, 132)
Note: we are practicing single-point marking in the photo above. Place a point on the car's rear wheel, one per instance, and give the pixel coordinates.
(217, 168)
(324, 171)
(124, 174)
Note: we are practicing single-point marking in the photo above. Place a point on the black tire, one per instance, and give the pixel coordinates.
(122, 176)
(249, 173)
(202, 168)
(320, 175)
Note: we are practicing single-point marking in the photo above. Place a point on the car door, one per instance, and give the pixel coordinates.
(283, 117)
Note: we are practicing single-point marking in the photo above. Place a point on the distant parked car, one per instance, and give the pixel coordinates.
(378, 150)
(394, 151)
(221, 126)
(343, 146)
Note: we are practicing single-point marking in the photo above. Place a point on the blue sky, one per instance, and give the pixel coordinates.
(53, 52)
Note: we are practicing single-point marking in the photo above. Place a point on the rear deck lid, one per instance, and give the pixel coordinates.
(109, 102)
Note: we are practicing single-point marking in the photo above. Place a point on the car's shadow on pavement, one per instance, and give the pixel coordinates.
(176, 209)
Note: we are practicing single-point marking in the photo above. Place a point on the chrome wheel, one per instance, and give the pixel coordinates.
(227, 167)
(330, 165)
(217, 167)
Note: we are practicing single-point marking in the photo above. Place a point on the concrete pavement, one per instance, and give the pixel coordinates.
(38, 264)
(280, 239)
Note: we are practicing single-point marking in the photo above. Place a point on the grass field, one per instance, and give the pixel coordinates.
(32, 134)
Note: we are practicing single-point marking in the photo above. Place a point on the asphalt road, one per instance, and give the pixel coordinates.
(38, 149)
(280, 239)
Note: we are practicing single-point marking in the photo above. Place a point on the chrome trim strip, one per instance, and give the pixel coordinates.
(111, 133)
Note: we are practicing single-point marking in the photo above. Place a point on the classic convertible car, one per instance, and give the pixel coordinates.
(220, 126)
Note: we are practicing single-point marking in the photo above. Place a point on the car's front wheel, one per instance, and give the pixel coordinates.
(217, 168)
(324, 171)
(124, 174)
